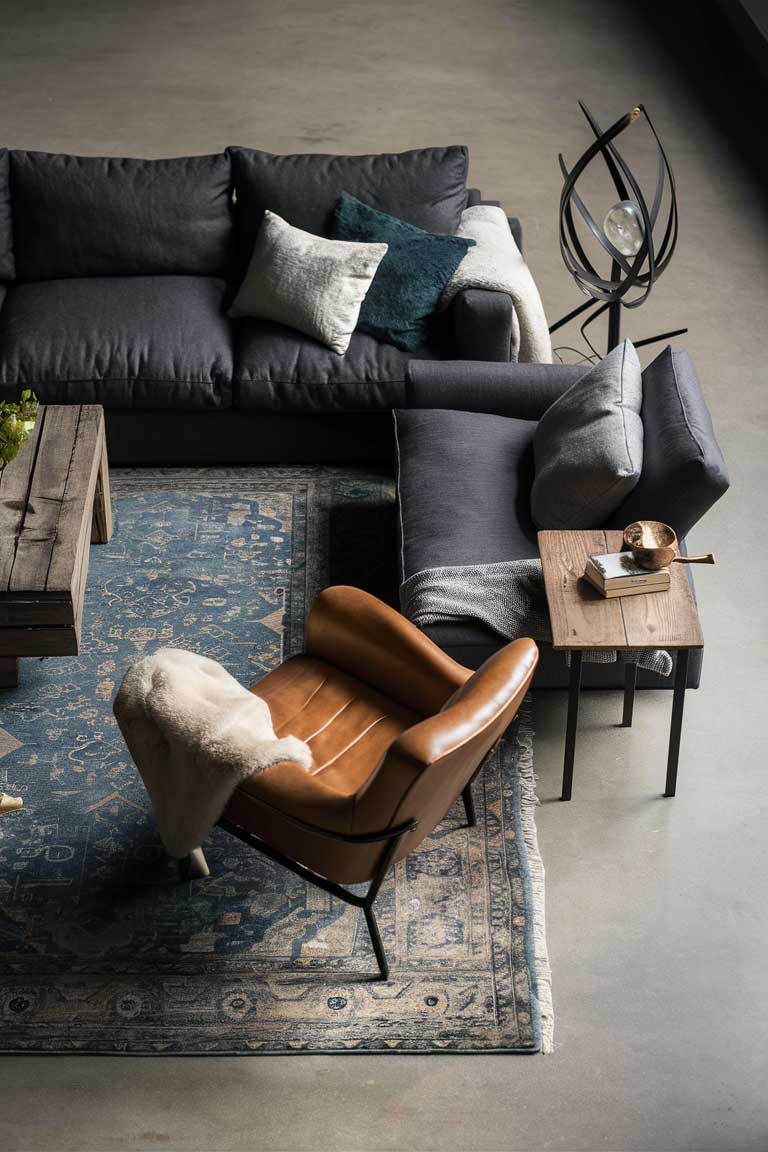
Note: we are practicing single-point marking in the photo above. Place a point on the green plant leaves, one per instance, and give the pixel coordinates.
(16, 424)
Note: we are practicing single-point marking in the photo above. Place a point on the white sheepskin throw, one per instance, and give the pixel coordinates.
(495, 263)
(195, 733)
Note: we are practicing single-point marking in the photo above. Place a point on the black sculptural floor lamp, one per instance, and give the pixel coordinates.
(639, 247)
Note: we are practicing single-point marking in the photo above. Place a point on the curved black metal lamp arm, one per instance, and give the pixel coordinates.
(643, 269)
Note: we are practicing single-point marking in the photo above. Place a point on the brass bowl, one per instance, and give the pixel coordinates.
(653, 545)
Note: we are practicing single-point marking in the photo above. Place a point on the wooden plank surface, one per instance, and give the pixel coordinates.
(14, 493)
(46, 514)
(583, 619)
(38, 532)
(664, 619)
(577, 612)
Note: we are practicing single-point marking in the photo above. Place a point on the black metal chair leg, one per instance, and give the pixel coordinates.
(378, 947)
(469, 806)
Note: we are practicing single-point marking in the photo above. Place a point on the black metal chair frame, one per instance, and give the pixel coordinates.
(195, 864)
(390, 838)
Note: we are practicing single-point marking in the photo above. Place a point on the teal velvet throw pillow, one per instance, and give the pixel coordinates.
(410, 280)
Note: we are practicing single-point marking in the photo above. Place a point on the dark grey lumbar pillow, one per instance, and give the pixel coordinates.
(588, 447)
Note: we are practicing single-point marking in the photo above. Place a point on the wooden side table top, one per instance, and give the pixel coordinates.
(54, 499)
(583, 619)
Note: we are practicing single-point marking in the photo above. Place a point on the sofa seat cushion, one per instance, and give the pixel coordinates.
(133, 342)
(279, 368)
(464, 480)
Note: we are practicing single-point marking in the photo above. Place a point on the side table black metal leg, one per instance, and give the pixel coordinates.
(630, 678)
(678, 700)
(574, 687)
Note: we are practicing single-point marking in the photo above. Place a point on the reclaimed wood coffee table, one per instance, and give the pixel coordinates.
(54, 500)
(583, 620)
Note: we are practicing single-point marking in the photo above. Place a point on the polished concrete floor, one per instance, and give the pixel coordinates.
(656, 908)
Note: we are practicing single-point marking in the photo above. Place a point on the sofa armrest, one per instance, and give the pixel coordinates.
(484, 325)
(475, 197)
(523, 391)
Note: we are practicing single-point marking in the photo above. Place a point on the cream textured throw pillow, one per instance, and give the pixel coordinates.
(307, 282)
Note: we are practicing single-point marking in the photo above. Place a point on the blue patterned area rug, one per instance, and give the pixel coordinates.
(104, 950)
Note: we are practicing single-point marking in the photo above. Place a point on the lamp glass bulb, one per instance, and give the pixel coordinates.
(623, 226)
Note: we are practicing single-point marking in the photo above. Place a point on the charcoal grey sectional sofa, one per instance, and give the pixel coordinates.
(465, 470)
(116, 275)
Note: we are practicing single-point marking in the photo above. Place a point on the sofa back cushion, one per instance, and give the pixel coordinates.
(426, 187)
(684, 472)
(103, 216)
(7, 267)
(588, 446)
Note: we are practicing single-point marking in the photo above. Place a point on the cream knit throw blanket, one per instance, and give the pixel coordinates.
(194, 734)
(495, 263)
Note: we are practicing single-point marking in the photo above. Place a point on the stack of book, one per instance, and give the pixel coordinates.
(617, 574)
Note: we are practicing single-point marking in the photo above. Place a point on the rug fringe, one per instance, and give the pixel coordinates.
(529, 801)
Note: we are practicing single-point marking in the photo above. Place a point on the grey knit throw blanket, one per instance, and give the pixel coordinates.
(509, 597)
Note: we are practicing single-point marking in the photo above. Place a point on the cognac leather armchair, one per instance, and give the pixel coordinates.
(397, 729)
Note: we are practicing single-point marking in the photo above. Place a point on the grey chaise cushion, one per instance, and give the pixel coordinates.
(425, 187)
(588, 446)
(463, 485)
(124, 342)
(7, 264)
(102, 216)
(684, 472)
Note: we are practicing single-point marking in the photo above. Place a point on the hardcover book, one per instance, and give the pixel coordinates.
(617, 574)
(617, 567)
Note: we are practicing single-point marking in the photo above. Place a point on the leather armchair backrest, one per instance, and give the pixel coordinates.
(429, 765)
(369, 640)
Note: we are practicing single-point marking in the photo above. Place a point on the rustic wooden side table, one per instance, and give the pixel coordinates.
(583, 620)
(54, 500)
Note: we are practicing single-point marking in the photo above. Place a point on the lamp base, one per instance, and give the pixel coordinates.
(613, 307)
